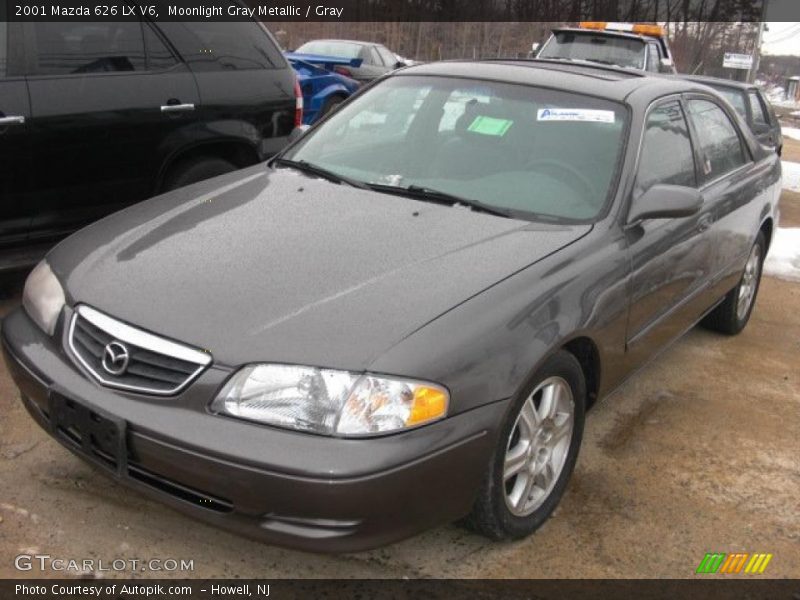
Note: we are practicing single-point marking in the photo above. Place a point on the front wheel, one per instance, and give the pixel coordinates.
(734, 312)
(535, 454)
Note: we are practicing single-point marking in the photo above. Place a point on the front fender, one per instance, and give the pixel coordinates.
(485, 349)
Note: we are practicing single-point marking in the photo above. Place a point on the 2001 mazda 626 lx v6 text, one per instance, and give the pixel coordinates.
(401, 320)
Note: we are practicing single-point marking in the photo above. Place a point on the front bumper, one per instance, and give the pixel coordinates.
(289, 488)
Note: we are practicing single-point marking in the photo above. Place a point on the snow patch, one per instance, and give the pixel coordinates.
(783, 260)
(791, 132)
(791, 176)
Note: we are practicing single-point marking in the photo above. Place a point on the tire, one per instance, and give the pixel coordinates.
(330, 104)
(194, 170)
(731, 316)
(503, 510)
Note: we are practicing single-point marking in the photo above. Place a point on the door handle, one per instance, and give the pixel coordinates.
(15, 120)
(704, 222)
(174, 108)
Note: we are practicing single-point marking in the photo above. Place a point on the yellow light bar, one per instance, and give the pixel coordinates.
(654, 30)
(592, 24)
(640, 28)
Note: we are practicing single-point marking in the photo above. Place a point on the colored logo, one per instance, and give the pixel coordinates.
(736, 563)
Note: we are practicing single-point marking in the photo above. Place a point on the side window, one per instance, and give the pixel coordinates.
(758, 109)
(88, 47)
(720, 147)
(389, 59)
(220, 46)
(666, 155)
(653, 57)
(159, 57)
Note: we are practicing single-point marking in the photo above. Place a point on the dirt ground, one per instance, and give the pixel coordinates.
(697, 453)
(791, 149)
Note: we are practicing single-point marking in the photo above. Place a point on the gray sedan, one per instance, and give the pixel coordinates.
(403, 319)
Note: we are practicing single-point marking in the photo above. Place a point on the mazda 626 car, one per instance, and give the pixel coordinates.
(401, 320)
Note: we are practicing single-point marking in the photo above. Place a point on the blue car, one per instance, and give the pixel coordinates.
(322, 86)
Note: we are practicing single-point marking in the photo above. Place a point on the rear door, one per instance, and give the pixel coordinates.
(100, 108)
(671, 258)
(730, 182)
(246, 86)
(15, 208)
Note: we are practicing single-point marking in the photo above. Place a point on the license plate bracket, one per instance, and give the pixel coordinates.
(92, 432)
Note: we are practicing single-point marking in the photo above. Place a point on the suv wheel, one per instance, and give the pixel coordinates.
(194, 170)
(535, 454)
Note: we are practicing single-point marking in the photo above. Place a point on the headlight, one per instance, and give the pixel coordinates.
(330, 402)
(43, 297)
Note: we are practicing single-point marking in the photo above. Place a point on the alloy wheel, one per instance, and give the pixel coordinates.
(747, 288)
(538, 446)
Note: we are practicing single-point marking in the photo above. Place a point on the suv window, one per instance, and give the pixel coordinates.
(666, 155)
(720, 146)
(757, 108)
(213, 46)
(88, 47)
(159, 57)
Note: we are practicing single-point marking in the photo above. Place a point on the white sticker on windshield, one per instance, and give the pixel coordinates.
(575, 114)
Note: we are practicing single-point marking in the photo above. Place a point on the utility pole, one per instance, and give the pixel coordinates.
(751, 75)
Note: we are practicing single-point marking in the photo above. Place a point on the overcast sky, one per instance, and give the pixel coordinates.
(782, 38)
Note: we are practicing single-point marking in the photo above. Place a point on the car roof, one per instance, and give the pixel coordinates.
(606, 81)
(718, 81)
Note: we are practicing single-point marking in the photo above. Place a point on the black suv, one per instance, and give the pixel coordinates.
(95, 116)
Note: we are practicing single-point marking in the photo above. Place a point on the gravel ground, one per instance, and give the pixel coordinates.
(696, 453)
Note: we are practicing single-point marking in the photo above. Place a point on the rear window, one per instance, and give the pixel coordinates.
(233, 46)
(760, 116)
(331, 48)
(88, 47)
(603, 49)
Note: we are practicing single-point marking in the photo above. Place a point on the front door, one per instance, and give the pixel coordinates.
(670, 258)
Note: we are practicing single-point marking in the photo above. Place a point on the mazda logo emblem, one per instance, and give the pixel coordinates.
(116, 358)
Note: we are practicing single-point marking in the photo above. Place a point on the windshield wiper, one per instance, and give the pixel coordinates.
(425, 193)
(307, 167)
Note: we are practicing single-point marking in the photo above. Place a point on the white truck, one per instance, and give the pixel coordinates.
(629, 45)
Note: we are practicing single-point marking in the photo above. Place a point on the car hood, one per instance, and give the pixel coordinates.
(277, 266)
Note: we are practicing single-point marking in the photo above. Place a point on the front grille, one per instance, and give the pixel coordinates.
(124, 357)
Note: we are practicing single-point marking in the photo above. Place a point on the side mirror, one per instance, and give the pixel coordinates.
(665, 65)
(664, 201)
(399, 64)
(298, 132)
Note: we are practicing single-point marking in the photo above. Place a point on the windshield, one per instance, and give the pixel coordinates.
(605, 49)
(330, 48)
(544, 152)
